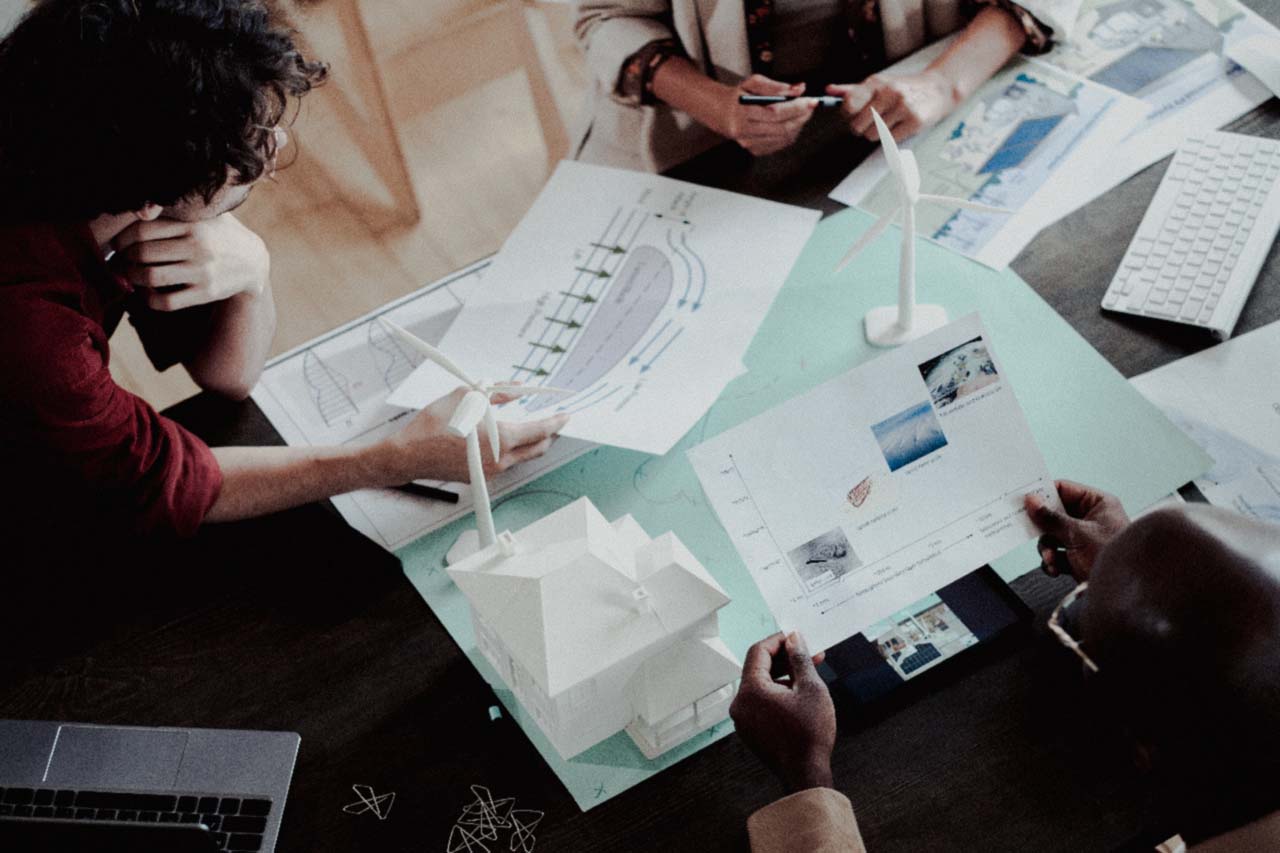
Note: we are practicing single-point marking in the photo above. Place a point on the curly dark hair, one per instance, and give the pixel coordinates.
(112, 104)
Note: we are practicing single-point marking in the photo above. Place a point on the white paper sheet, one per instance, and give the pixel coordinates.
(332, 391)
(638, 292)
(1170, 54)
(1019, 143)
(1227, 399)
(1260, 56)
(879, 487)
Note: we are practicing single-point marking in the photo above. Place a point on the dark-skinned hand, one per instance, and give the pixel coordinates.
(1073, 539)
(784, 713)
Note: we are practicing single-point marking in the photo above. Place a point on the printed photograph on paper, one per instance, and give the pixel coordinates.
(909, 435)
(959, 372)
(824, 559)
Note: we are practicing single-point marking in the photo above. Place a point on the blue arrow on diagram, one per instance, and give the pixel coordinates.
(645, 348)
(702, 289)
(584, 397)
(671, 339)
(688, 270)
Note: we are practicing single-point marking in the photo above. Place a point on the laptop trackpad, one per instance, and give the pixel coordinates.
(106, 757)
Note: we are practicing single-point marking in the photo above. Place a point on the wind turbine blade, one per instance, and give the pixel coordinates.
(911, 176)
(491, 425)
(466, 418)
(966, 204)
(868, 237)
(891, 153)
(527, 390)
(413, 341)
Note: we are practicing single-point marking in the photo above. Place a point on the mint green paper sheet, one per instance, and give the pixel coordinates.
(1090, 424)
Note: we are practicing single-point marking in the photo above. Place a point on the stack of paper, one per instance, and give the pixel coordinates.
(333, 390)
(1174, 57)
(638, 293)
(1049, 134)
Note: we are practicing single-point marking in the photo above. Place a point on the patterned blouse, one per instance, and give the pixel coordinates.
(865, 43)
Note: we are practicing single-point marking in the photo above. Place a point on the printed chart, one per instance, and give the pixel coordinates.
(927, 461)
(638, 293)
(1162, 63)
(333, 391)
(1018, 140)
(1171, 55)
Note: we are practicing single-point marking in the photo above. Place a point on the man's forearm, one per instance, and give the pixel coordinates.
(982, 49)
(231, 360)
(261, 480)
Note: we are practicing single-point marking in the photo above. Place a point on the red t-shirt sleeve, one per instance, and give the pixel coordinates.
(171, 337)
(92, 434)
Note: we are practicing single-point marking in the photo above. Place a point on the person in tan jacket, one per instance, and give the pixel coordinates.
(1179, 634)
(667, 73)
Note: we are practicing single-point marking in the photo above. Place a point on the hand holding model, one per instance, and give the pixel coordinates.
(424, 449)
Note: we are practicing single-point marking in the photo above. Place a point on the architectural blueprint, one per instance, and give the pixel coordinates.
(1165, 64)
(1171, 55)
(1016, 143)
(637, 292)
(927, 458)
(333, 391)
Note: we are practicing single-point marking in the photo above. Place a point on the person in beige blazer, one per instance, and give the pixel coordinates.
(667, 74)
(1179, 633)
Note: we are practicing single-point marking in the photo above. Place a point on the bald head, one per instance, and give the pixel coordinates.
(1183, 618)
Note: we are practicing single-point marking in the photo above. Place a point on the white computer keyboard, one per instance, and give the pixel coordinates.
(1206, 234)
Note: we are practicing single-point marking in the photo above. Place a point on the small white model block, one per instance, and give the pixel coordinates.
(596, 627)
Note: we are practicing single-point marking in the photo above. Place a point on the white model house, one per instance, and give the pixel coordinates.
(597, 627)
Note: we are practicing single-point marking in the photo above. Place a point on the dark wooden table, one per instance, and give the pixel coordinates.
(295, 622)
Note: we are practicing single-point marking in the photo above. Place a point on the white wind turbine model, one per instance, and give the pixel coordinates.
(465, 422)
(891, 325)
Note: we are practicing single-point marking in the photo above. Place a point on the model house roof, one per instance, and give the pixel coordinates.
(682, 675)
(581, 595)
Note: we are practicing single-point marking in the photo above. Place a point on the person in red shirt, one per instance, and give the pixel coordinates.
(129, 131)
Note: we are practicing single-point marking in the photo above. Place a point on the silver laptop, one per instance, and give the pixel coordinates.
(233, 782)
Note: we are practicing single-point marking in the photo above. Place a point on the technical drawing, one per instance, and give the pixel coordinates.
(594, 397)
(640, 289)
(701, 279)
(329, 389)
(688, 267)
(394, 362)
(601, 263)
(1006, 126)
(1137, 46)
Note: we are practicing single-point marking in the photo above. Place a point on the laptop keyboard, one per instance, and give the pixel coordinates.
(237, 823)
